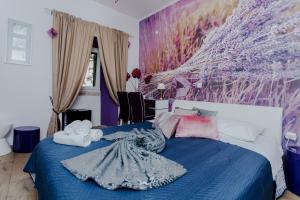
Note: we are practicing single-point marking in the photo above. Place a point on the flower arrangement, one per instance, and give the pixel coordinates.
(135, 77)
(136, 73)
(148, 78)
(128, 76)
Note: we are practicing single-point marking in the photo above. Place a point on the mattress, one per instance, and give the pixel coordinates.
(270, 149)
(216, 170)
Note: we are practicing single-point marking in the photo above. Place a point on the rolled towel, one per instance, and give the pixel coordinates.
(87, 123)
(78, 133)
(72, 139)
(78, 127)
(96, 134)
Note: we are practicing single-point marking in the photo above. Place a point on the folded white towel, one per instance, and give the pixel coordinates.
(72, 139)
(78, 133)
(78, 127)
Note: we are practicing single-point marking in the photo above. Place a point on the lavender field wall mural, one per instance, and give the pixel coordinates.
(242, 52)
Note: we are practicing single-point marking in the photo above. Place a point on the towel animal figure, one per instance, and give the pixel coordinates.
(78, 133)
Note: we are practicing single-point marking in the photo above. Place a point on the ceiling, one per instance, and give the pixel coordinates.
(138, 9)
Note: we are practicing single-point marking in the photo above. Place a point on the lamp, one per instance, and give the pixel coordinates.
(161, 87)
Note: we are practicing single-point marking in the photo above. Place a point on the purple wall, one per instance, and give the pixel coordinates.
(109, 109)
(241, 51)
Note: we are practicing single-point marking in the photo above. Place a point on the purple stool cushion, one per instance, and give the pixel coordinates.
(292, 173)
(26, 138)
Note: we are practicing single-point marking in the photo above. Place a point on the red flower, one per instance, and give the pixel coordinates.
(148, 79)
(136, 73)
(128, 76)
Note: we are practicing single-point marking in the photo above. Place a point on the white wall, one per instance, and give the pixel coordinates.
(25, 90)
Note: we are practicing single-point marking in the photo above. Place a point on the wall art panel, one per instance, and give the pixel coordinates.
(242, 52)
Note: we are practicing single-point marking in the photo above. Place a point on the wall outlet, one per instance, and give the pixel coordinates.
(291, 136)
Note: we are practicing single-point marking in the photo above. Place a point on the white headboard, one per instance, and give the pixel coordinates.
(267, 117)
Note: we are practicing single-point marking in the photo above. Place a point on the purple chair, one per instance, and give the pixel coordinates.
(137, 108)
(124, 115)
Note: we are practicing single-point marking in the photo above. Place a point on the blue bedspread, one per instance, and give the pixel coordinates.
(216, 170)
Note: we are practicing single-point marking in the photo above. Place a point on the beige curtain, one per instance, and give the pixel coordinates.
(71, 51)
(113, 50)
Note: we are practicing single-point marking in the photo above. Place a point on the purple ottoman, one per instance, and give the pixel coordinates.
(26, 138)
(292, 169)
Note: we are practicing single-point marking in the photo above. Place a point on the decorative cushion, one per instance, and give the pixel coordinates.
(161, 117)
(184, 111)
(197, 126)
(240, 130)
(203, 112)
(167, 122)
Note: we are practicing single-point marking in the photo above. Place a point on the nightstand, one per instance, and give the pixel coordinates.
(161, 106)
(156, 106)
(292, 169)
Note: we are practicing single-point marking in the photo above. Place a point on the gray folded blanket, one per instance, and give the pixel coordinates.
(130, 162)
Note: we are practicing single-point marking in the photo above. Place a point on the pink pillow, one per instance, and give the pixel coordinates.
(197, 126)
(167, 122)
(161, 117)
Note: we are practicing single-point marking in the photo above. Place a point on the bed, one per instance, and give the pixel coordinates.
(216, 169)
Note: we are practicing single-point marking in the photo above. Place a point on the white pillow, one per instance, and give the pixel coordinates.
(240, 130)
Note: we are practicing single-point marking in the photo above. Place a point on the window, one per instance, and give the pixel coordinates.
(91, 80)
(90, 76)
(18, 42)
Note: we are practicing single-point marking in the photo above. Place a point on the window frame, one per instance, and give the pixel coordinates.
(88, 90)
(10, 47)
